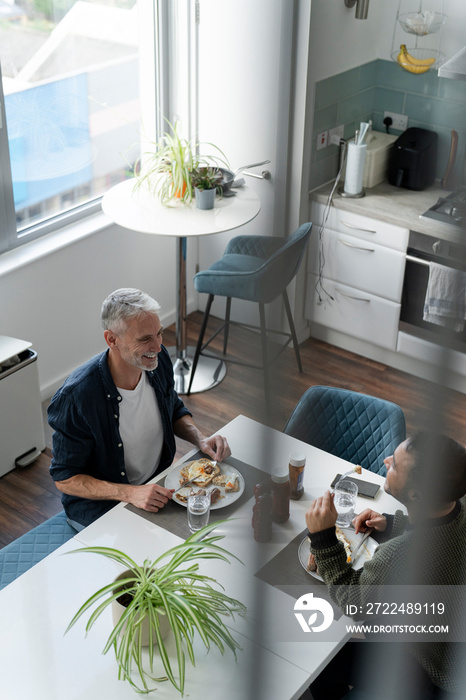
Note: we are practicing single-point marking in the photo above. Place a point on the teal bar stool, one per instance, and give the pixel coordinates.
(258, 269)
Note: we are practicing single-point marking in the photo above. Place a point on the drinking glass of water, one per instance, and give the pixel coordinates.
(345, 501)
(198, 512)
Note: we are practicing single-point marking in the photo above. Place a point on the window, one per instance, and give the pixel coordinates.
(69, 98)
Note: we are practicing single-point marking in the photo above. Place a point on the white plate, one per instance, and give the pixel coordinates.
(172, 481)
(365, 553)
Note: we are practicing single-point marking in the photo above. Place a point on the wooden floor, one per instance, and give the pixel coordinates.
(28, 496)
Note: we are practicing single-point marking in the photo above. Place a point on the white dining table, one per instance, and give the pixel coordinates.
(140, 210)
(38, 661)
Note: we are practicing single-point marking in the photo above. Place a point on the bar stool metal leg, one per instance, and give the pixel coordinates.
(200, 341)
(292, 330)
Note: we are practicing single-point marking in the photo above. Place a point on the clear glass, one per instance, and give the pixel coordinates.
(71, 83)
(198, 512)
(345, 501)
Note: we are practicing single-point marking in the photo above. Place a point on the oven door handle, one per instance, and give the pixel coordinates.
(358, 247)
(420, 261)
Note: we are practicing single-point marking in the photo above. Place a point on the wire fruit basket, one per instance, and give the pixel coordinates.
(423, 55)
(422, 23)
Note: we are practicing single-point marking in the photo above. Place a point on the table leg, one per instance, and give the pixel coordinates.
(209, 371)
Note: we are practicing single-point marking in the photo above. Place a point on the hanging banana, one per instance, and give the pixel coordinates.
(411, 64)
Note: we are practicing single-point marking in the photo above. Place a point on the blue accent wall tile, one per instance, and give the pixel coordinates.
(386, 100)
(325, 118)
(368, 75)
(436, 112)
(337, 87)
(354, 107)
(454, 90)
(390, 74)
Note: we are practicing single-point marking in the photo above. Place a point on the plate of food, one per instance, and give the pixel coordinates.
(223, 482)
(350, 541)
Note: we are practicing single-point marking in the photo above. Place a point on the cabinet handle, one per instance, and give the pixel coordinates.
(352, 297)
(358, 247)
(358, 228)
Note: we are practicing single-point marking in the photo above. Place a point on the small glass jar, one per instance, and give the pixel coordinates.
(280, 497)
(296, 471)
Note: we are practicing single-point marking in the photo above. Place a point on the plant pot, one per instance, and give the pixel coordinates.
(179, 194)
(118, 609)
(205, 198)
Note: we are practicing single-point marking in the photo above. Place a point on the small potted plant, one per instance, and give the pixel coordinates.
(206, 180)
(167, 170)
(167, 594)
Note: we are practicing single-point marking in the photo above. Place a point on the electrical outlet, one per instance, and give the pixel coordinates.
(399, 121)
(322, 140)
(334, 135)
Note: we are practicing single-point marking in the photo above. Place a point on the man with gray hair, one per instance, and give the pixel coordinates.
(115, 418)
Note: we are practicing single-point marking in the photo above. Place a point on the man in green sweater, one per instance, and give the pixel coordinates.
(427, 474)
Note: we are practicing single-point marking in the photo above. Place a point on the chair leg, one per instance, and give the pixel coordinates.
(227, 325)
(264, 353)
(200, 341)
(292, 330)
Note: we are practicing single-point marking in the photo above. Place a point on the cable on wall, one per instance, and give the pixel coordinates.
(319, 286)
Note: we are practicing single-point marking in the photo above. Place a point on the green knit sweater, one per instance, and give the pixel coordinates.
(432, 555)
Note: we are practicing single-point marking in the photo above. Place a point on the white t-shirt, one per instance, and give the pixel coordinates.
(141, 431)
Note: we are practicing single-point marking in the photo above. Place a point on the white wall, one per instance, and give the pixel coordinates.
(55, 301)
(339, 41)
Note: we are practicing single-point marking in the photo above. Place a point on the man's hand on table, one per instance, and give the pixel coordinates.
(216, 447)
(369, 519)
(322, 513)
(151, 497)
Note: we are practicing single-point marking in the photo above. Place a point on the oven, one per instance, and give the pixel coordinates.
(422, 249)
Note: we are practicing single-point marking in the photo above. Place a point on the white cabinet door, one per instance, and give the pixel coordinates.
(364, 227)
(359, 314)
(358, 263)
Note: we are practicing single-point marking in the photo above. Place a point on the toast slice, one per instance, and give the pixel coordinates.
(232, 484)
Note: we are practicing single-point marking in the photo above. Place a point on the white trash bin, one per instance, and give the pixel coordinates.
(22, 436)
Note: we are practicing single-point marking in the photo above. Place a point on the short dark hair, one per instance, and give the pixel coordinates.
(439, 468)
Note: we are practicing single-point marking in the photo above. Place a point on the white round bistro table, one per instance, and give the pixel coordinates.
(139, 210)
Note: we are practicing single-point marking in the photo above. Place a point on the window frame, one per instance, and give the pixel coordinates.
(155, 21)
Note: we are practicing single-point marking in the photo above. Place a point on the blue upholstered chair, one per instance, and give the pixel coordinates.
(258, 269)
(21, 554)
(359, 428)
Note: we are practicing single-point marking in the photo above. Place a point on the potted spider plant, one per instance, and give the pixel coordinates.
(168, 594)
(167, 170)
(206, 181)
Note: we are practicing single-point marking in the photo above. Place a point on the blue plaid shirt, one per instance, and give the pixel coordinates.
(85, 415)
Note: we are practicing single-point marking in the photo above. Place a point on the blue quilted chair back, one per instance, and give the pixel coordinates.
(255, 268)
(359, 428)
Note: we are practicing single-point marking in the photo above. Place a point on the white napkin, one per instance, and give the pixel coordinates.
(445, 302)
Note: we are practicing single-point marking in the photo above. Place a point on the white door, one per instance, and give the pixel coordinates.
(245, 64)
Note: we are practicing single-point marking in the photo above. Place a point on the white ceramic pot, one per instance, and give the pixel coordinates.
(118, 610)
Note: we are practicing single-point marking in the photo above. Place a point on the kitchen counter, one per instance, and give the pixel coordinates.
(396, 206)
